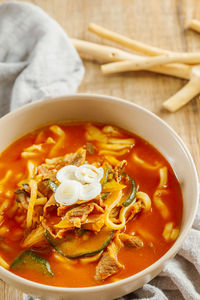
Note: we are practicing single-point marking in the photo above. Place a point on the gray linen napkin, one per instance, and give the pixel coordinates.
(36, 57)
(37, 60)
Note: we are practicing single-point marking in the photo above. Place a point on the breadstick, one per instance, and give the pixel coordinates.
(125, 41)
(103, 54)
(100, 53)
(146, 63)
(187, 93)
(194, 25)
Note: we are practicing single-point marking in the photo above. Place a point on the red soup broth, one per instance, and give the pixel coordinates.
(148, 225)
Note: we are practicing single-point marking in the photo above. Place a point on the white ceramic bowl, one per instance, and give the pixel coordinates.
(129, 117)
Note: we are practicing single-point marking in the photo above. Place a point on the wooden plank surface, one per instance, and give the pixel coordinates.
(160, 23)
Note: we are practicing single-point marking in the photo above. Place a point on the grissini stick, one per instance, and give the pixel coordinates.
(125, 41)
(100, 53)
(134, 44)
(187, 93)
(103, 54)
(194, 25)
(146, 63)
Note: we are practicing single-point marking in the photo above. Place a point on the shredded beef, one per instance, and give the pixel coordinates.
(108, 264)
(130, 241)
(44, 188)
(119, 169)
(79, 215)
(51, 167)
(22, 197)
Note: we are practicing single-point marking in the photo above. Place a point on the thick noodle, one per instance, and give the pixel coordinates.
(61, 137)
(143, 197)
(6, 177)
(33, 187)
(145, 164)
(161, 190)
(163, 177)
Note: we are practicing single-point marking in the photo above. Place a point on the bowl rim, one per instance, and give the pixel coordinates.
(168, 255)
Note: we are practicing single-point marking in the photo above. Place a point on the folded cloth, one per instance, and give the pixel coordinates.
(180, 278)
(37, 59)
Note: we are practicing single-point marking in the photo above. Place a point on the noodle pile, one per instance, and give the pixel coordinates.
(48, 224)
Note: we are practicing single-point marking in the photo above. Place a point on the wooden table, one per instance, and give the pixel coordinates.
(160, 23)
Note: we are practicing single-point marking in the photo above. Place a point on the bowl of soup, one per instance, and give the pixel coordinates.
(96, 195)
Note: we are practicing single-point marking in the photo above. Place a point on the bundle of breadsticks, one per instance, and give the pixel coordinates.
(145, 57)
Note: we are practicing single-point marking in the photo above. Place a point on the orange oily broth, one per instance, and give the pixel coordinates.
(151, 223)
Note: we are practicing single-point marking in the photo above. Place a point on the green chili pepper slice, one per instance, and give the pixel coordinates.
(106, 177)
(132, 195)
(52, 185)
(104, 195)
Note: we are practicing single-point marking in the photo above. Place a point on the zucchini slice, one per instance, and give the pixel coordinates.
(28, 260)
(88, 244)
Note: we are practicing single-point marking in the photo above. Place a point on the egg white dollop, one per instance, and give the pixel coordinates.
(78, 183)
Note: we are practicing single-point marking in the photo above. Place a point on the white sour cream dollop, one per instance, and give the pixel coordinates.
(78, 183)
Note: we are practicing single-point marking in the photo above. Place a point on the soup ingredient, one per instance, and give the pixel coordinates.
(33, 196)
(95, 134)
(169, 232)
(28, 260)
(109, 264)
(78, 183)
(68, 192)
(88, 244)
(113, 186)
(82, 214)
(22, 197)
(132, 195)
(52, 185)
(104, 195)
(90, 148)
(88, 174)
(84, 174)
(125, 214)
(160, 192)
(3, 263)
(49, 169)
(45, 188)
(66, 173)
(145, 164)
(130, 241)
(34, 237)
(105, 178)
(95, 233)
(90, 191)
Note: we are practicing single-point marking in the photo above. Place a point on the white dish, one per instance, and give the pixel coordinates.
(130, 117)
